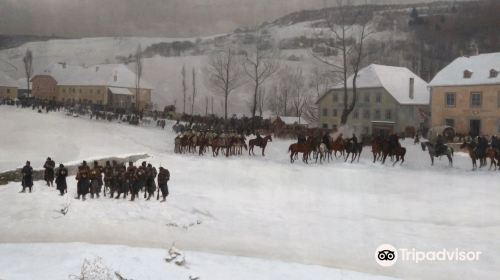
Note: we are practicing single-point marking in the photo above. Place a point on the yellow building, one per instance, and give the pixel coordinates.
(389, 100)
(109, 85)
(8, 87)
(466, 95)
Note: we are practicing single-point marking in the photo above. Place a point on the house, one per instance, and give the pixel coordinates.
(389, 100)
(108, 85)
(282, 122)
(466, 95)
(8, 87)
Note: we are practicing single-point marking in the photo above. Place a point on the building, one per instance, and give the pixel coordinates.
(109, 85)
(466, 95)
(389, 100)
(8, 87)
(284, 122)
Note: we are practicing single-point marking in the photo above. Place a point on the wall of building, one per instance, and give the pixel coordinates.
(44, 87)
(488, 113)
(83, 94)
(8, 93)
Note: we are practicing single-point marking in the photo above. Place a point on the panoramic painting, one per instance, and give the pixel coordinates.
(249, 139)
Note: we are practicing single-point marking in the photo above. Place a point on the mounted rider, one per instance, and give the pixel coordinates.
(440, 146)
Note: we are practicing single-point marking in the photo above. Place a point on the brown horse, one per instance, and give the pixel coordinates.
(494, 157)
(377, 145)
(472, 153)
(259, 143)
(338, 146)
(296, 148)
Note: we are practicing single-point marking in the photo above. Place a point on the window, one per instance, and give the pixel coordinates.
(355, 114)
(377, 114)
(91, 91)
(475, 99)
(366, 114)
(378, 97)
(8, 90)
(325, 112)
(335, 97)
(450, 99)
(334, 127)
(98, 91)
(493, 73)
(467, 74)
(450, 122)
(325, 125)
(334, 112)
(80, 90)
(367, 97)
(388, 114)
(64, 90)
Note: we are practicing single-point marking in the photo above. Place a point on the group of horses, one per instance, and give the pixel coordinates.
(475, 155)
(229, 144)
(325, 149)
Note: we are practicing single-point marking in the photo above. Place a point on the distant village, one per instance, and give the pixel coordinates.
(464, 95)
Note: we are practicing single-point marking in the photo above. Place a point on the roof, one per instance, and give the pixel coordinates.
(395, 80)
(293, 120)
(479, 65)
(122, 91)
(7, 81)
(21, 83)
(98, 75)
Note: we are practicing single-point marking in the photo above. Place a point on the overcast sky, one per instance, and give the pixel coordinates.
(153, 18)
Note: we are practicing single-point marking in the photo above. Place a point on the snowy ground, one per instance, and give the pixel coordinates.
(333, 215)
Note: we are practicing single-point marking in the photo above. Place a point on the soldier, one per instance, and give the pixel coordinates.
(131, 178)
(108, 178)
(61, 174)
(139, 182)
(83, 178)
(95, 180)
(49, 171)
(27, 173)
(121, 181)
(163, 178)
(150, 181)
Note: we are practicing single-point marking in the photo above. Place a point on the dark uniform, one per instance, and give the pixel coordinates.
(131, 178)
(121, 181)
(27, 172)
(49, 166)
(140, 180)
(83, 178)
(61, 174)
(95, 180)
(108, 178)
(150, 181)
(163, 177)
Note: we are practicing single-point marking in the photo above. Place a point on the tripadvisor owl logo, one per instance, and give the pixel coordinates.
(386, 255)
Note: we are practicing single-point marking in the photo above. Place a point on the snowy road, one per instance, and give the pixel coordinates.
(333, 215)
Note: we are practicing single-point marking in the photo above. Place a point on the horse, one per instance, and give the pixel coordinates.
(353, 148)
(433, 153)
(472, 153)
(262, 143)
(377, 145)
(494, 157)
(322, 152)
(338, 146)
(400, 153)
(296, 148)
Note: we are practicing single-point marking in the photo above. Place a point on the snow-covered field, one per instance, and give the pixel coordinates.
(332, 215)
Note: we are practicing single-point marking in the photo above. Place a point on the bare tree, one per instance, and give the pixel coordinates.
(274, 100)
(261, 100)
(348, 26)
(206, 105)
(259, 66)
(300, 96)
(138, 75)
(28, 67)
(320, 81)
(184, 88)
(224, 74)
(286, 76)
(194, 92)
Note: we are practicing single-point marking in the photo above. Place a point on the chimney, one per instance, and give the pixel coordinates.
(412, 87)
(116, 77)
(97, 68)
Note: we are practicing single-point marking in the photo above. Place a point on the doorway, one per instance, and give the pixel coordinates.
(475, 127)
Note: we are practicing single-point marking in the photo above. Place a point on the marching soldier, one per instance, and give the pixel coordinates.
(61, 174)
(108, 177)
(131, 178)
(27, 173)
(139, 182)
(49, 171)
(150, 181)
(121, 181)
(163, 178)
(83, 178)
(95, 180)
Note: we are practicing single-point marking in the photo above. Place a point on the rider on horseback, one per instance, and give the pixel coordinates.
(440, 146)
(354, 139)
(301, 138)
(326, 140)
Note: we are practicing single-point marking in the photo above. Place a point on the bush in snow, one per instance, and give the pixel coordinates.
(94, 270)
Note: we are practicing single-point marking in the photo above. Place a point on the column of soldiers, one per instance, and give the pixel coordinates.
(118, 180)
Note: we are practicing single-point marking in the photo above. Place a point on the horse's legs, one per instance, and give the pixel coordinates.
(263, 150)
(450, 159)
(432, 159)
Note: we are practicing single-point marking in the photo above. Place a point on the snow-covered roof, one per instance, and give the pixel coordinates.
(293, 120)
(396, 80)
(21, 83)
(111, 75)
(122, 91)
(6, 80)
(479, 65)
